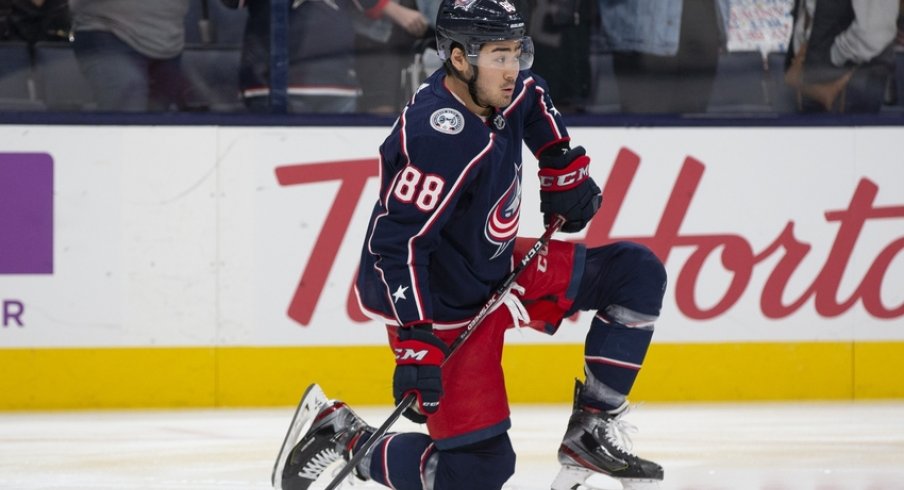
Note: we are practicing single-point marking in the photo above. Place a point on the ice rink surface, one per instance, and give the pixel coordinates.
(763, 446)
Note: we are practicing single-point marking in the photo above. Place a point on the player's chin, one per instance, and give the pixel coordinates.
(503, 99)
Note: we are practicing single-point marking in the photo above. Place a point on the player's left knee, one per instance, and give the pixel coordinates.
(645, 262)
(647, 283)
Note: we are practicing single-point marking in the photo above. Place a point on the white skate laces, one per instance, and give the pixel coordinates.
(597, 442)
(318, 463)
(617, 431)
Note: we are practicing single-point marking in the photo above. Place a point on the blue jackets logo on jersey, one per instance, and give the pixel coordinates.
(502, 222)
(447, 120)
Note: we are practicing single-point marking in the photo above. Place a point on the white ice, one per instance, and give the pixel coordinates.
(762, 446)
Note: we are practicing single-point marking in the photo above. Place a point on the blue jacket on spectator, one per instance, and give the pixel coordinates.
(648, 26)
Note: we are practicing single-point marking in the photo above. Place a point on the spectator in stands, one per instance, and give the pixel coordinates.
(900, 38)
(5, 11)
(130, 52)
(34, 21)
(665, 52)
(321, 45)
(842, 54)
(561, 32)
(384, 48)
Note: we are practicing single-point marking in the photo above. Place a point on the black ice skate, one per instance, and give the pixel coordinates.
(595, 442)
(330, 429)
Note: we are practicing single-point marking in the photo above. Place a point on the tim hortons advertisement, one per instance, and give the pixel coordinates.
(251, 236)
(767, 234)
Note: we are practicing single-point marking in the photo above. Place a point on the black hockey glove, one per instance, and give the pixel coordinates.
(419, 354)
(566, 187)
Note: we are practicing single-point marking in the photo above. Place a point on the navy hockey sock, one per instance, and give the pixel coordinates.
(396, 460)
(613, 356)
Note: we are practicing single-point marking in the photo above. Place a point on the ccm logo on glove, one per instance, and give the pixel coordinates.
(566, 187)
(556, 180)
(419, 355)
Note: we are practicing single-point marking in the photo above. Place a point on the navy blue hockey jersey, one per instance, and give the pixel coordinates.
(440, 237)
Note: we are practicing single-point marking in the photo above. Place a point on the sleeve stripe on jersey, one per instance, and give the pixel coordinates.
(385, 203)
(383, 199)
(379, 257)
(547, 114)
(403, 137)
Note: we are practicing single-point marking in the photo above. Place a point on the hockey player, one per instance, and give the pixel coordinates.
(442, 236)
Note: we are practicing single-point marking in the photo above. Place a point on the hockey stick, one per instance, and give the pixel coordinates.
(494, 300)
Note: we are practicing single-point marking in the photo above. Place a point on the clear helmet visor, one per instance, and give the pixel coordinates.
(503, 55)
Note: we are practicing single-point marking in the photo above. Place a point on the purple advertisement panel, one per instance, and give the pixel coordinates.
(26, 213)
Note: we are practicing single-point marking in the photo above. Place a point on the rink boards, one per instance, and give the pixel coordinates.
(205, 266)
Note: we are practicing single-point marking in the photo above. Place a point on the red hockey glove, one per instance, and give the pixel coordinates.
(419, 354)
(566, 187)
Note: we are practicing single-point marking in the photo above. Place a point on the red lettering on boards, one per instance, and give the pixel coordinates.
(737, 255)
(352, 175)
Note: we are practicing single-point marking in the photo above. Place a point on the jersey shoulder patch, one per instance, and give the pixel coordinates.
(447, 120)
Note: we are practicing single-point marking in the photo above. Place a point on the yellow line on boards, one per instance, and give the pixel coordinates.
(174, 377)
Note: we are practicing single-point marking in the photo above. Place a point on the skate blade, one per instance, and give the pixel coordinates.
(571, 478)
(312, 402)
(575, 478)
(634, 484)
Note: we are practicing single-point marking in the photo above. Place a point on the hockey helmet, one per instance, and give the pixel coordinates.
(471, 23)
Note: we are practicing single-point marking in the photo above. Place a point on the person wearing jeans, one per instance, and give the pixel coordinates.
(664, 52)
(130, 52)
